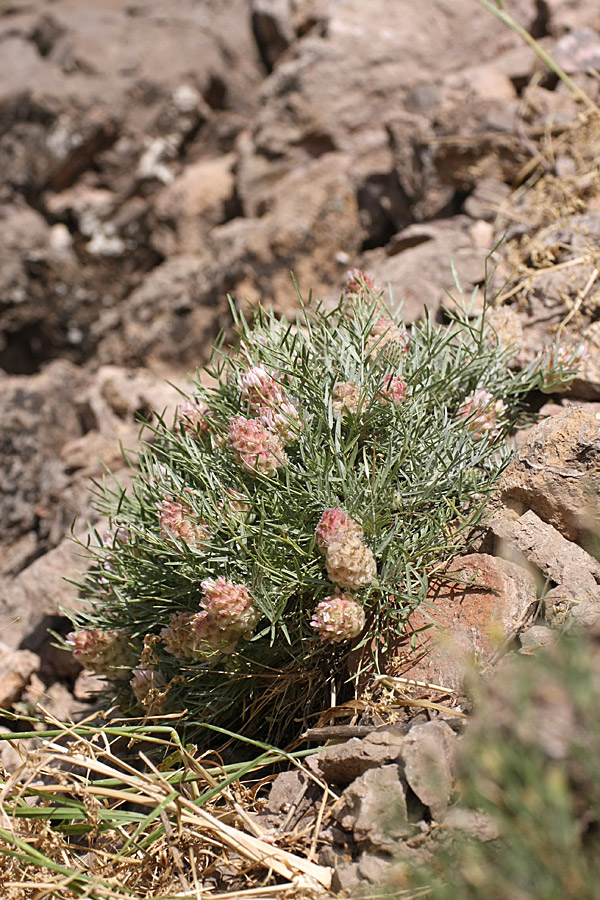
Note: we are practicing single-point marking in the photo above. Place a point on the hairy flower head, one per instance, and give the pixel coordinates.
(346, 398)
(387, 336)
(335, 525)
(393, 389)
(258, 388)
(256, 448)
(178, 522)
(103, 652)
(226, 603)
(350, 563)
(338, 618)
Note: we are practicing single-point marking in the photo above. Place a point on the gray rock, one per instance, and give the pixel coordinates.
(373, 807)
(375, 867)
(429, 753)
(562, 561)
(556, 473)
(346, 877)
(342, 763)
(537, 637)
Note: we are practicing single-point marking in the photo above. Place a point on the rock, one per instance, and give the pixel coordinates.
(88, 134)
(587, 383)
(38, 414)
(201, 197)
(584, 616)
(375, 868)
(346, 877)
(13, 753)
(563, 562)
(16, 669)
(578, 51)
(285, 790)
(307, 107)
(273, 26)
(54, 700)
(556, 473)
(428, 753)
(342, 763)
(374, 808)
(537, 637)
(466, 622)
(416, 263)
(38, 593)
(474, 822)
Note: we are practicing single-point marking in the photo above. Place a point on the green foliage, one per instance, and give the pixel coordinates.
(531, 764)
(403, 432)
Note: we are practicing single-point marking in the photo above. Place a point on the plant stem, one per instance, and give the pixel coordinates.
(508, 20)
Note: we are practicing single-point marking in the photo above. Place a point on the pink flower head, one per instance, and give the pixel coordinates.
(335, 525)
(256, 447)
(260, 389)
(481, 413)
(358, 281)
(179, 636)
(338, 618)
(282, 420)
(225, 602)
(385, 333)
(103, 652)
(178, 522)
(393, 389)
(191, 417)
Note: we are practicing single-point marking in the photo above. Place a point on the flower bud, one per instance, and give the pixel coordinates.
(338, 618)
(191, 417)
(145, 683)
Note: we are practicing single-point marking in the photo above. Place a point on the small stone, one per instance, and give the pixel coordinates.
(428, 754)
(342, 763)
(16, 669)
(345, 877)
(536, 637)
(374, 808)
(374, 867)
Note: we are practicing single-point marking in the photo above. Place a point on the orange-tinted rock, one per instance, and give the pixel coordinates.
(466, 621)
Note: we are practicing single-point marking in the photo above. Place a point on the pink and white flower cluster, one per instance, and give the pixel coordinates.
(258, 443)
(393, 389)
(103, 652)
(256, 447)
(178, 522)
(482, 414)
(228, 614)
(386, 335)
(338, 618)
(348, 560)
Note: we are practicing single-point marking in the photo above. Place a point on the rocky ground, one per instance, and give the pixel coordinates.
(157, 157)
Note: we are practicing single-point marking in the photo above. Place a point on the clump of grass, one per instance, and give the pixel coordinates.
(296, 508)
(83, 818)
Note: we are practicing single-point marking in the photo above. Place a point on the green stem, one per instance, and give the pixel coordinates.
(508, 20)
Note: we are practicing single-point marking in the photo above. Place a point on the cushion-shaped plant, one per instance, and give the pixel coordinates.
(294, 509)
